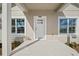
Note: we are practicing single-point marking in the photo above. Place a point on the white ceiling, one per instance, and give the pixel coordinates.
(42, 6)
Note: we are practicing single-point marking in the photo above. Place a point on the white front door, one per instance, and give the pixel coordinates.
(40, 27)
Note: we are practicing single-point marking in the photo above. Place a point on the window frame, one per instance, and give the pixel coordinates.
(72, 25)
(17, 27)
(65, 25)
(59, 18)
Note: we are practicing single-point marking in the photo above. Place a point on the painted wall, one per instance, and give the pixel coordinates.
(17, 13)
(73, 12)
(52, 20)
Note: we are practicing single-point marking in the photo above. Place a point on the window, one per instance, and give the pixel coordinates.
(40, 21)
(17, 25)
(13, 29)
(13, 22)
(63, 25)
(72, 24)
(20, 25)
(67, 25)
(13, 26)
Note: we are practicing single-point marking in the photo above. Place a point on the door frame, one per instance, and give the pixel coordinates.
(34, 19)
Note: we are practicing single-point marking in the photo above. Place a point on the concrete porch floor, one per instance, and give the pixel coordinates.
(48, 47)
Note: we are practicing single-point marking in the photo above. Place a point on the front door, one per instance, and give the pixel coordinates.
(40, 27)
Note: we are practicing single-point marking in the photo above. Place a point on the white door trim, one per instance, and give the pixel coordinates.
(45, 25)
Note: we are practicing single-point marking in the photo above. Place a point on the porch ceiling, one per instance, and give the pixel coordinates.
(42, 6)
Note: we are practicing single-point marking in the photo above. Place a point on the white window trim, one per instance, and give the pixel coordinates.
(21, 34)
(61, 17)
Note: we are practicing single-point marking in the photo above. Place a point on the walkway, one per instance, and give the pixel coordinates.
(48, 47)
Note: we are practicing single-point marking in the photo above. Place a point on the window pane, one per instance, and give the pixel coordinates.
(63, 25)
(13, 22)
(20, 25)
(20, 22)
(63, 21)
(20, 30)
(63, 29)
(72, 22)
(13, 29)
(71, 29)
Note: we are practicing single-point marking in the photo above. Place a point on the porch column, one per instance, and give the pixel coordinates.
(6, 22)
